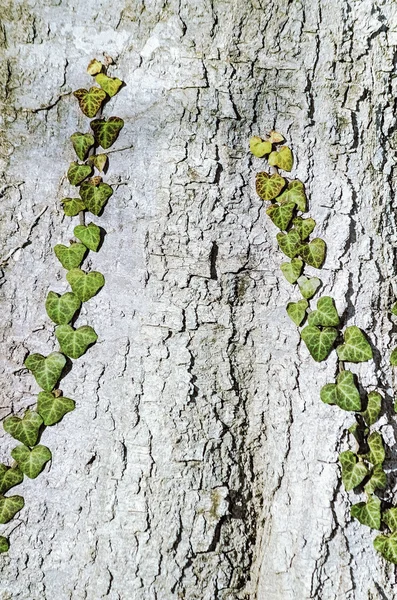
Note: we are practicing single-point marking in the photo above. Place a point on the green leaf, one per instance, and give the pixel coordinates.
(25, 430)
(110, 85)
(368, 513)
(292, 270)
(99, 161)
(75, 342)
(275, 137)
(319, 342)
(82, 142)
(387, 546)
(89, 234)
(378, 480)
(53, 408)
(308, 286)
(304, 226)
(295, 192)
(85, 285)
(297, 311)
(9, 477)
(326, 314)
(71, 256)
(281, 158)
(260, 147)
(268, 186)
(31, 462)
(46, 370)
(281, 214)
(289, 243)
(313, 253)
(77, 173)
(94, 67)
(390, 518)
(360, 433)
(374, 405)
(4, 544)
(9, 507)
(353, 472)
(394, 309)
(376, 454)
(61, 309)
(90, 101)
(393, 358)
(106, 132)
(356, 348)
(72, 206)
(344, 392)
(329, 394)
(95, 196)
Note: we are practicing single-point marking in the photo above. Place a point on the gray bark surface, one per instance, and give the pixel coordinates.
(200, 463)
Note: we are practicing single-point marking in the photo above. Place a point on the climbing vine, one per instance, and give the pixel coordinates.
(321, 331)
(85, 173)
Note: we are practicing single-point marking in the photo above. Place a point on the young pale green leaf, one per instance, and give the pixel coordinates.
(46, 370)
(106, 132)
(85, 285)
(313, 253)
(319, 342)
(292, 270)
(99, 161)
(378, 480)
(71, 256)
(61, 309)
(275, 137)
(326, 314)
(9, 507)
(89, 234)
(390, 518)
(25, 430)
(387, 546)
(353, 472)
(297, 311)
(281, 158)
(289, 243)
(260, 147)
(110, 85)
(393, 358)
(308, 286)
(75, 342)
(356, 348)
(304, 226)
(72, 206)
(295, 192)
(53, 408)
(374, 405)
(4, 544)
(368, 513)
(95, 196)
(77, 173)
(31, 462)
(376, 454)
(90, 101)
(344, 392)
(268, 186)
(94, 67)
(281, 214)
(82, 142)
(9, 477)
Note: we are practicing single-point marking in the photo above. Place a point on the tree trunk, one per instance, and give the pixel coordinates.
(200, 463)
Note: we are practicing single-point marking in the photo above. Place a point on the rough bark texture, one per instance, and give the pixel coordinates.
(200, 463)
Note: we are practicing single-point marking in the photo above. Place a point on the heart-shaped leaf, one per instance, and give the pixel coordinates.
(367, 513)
(326, 314)
(353, 472)
(313, 253)
(260, 147)
(281, 214)
(46, 370)
(292, 270)
(99, 161)
(304, 226)
(281, 158)
(377, 482)
(31, 462)
(9, 507)
(72, 206)
(110, 85)
(77, 173)
(376, 454)
(25, 430)
(297, 311)
(89, 234)
(329, 394)
(390, 518)
(95, 196)
(94, 67)
(90, 101)
(295, 192)
(319, 342)
(75, 342)
(9, 477)
(374, 405)
(344, 393)
(4, 544)
(85, 285)
(356, 348)
(52, 408)
(107, 132)
(268, 186)
(387, 546)
(308, 286)
(289, 243)
(71, 256)
(393, 358)
(61, 309)
(275, 138)
(82, 142)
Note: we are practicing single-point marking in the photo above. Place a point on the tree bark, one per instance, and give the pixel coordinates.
(200, 463)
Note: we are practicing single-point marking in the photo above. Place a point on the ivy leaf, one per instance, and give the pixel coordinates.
(85, 285)
(9, 507)
(313, 253)
(9, 477)
(90, 101)
(61, 309)
(368, 513)
(46, 370)
(356, 348)
(295, 192)
(353, 472)
(268, 186)
(297, 311)
(374, 405)
(71, 256)
(89, 234)
(390, 518)
(378, 480)
(4, 544)
(53, 408)
(75, 342)
(72, 206)
(110, 85)
(107, 132)
(82, 142)
(393, 358)
(276, 138)
(281, 214)
(329, 394)
(77, 173)
(344, 393)
(289, 243)
(304, 226)
(394, 309)
(281, 158)
(99, 161)
(387, 546)
(260, 147)
(308, 286)
(319, 342)
(94, 196)
(94, 67)
(25, 430)
(326, 314)
(376, 454)
(292, 270)
(31, 462)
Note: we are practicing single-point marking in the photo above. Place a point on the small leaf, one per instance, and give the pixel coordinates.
(376, 454)
(9, 507)
(308, 287)
(297, 311)
(304, 226)
(281, 214)
(276, 138)
(260, 147)
(329, 394)
(61, 309)
(46, 370)
(295, 192)
(292, 270)
(82, 142)
(99, 161)
(110, 85)
(77, 173)
(393, 358)
(268, 186)
(289, 243)
(53, 408)
(378, 480)
(89, 234)
(94, 196)
(71, 256)
(356, 348)
(85, 285)
(344, 393)
(387, 546)
(31, 462)
(94, 67)
(394, 309)
(90, 101)
(75, 342)
(106, 132)
(25, 430)
(367, 513)
(4, 544)
(72, 206)
(390, 518)
(313, 253)
(326, 314)
(281, 158)
(319, 342)
(374, 405)
(9, 477)
(353, 472)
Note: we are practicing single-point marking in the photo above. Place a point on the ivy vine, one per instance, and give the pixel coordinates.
(85, 173)
(362, 469)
